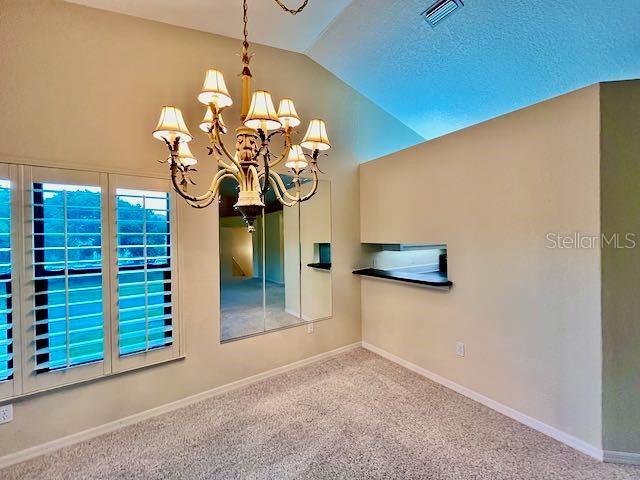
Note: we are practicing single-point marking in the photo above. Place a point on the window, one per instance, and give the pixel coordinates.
(67, 260)
(6, 318)
(144, 285)
(95, 259)
(144, 270)
(65, 325)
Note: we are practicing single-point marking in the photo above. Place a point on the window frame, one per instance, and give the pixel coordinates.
(13, 387)
(32, 381)
(175, 350)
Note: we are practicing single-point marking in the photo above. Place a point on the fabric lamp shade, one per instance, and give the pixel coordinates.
(214, 90)
(185, 156)
(207, 122)
(296, 160)
(316, 137)
(262, 114)
(287, 113)
(171, 126)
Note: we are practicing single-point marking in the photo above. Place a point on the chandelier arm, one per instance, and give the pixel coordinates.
(213, 140)
(236, 174)
(220, 160)
(232, 167)
(298, 198)
(287, 147)
(226, 166)
(226, 152)
(213, 189)
(273, 176)
(279, 195)
(314, 188)
(201, 205)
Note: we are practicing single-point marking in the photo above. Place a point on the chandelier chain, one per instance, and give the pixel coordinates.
(245, 20)
(245, 32)
(292, 11)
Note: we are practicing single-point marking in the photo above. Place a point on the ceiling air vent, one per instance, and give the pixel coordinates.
(440, 10)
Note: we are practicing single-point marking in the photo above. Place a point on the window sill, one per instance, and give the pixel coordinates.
(98, 378)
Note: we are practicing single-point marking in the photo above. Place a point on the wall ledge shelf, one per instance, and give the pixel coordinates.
(429, 279)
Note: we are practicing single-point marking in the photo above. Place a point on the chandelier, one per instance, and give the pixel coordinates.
(252, 165)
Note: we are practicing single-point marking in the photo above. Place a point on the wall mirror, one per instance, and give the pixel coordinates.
(278, 276)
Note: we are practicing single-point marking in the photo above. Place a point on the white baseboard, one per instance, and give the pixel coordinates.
(552, 432)
(622, 457)
(59, 443)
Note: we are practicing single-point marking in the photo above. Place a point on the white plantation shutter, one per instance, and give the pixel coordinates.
(66, 329)
(67, 260)
(144, 283)
(144, 270)
(6, 276)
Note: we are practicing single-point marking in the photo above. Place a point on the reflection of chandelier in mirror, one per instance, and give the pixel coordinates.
(252, 165)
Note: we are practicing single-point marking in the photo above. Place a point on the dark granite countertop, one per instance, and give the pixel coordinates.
(321, 266)
(432, 279)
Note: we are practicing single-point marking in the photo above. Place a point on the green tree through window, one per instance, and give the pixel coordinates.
(144, 271)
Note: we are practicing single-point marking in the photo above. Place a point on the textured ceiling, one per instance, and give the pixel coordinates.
(268, 23)
(489, 58)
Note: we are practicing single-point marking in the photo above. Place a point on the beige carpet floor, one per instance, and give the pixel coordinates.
(355, 416)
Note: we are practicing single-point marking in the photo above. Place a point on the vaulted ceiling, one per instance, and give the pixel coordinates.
(489, 58)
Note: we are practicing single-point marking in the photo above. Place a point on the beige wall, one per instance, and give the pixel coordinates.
(82, 87)
(620, 200)
(529, 315)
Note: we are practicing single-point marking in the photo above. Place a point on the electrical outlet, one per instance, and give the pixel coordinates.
(6, 413)
(310, 328)
(460, 349)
